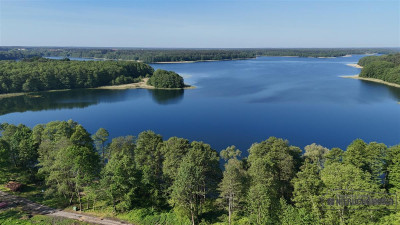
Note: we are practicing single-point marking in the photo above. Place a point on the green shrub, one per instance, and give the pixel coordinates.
(166, 79)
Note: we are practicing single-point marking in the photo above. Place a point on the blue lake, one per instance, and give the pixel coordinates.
(235, 103)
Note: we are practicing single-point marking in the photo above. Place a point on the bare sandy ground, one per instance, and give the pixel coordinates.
(143, 84)
(11, 95)
(372, 80)
(355, 65)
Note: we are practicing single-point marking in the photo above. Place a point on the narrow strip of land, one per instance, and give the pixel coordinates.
(11, 95)
(35, 208)
(142, 84)
(372, 80)
(355, 65)
(208, 60)
(139, 85)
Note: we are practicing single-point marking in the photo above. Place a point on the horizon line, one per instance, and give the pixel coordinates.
(65, 46)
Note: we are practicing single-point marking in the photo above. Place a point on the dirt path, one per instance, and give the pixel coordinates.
(36, 208)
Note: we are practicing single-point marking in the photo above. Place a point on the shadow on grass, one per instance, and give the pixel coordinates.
(10, 214)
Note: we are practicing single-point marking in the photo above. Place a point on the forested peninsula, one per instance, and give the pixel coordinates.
(149, 180)
(385, 67)
(42, 74)
(152, 55)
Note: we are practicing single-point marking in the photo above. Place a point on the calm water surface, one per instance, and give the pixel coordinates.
(235, 103)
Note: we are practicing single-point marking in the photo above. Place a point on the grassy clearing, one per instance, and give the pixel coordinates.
(17, 216)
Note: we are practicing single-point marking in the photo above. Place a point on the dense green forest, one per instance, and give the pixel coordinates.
(41, 74)
(150, 55)
(166, 79)
(384, 67)
(148, 180)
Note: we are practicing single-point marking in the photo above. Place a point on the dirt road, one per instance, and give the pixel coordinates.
(35, 208)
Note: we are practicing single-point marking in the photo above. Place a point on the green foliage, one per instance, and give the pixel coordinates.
(166, 79)
(271, 170)
(173, 150)
(335, 155)
(394, 169)
(370, 158)
(81, 138)
(4, 153)
(148, 159)
(46, 74)
(308, 187)
(230, 153)
(18, 149)
(348, 177)
(385, 67)
(234, 183)
(146, 216)
(391, 219)
(140, 177)
(100, 138)
(17, 216)
(196, 180)
(315, 153)
(355, 154)
(368, 59)
(120, 178)
(293, 215)
(174, 55)
(73, 169)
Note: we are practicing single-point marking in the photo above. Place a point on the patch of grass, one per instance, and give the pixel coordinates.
(41, 219)
(147, 216)
(17, 216)
(34, 193)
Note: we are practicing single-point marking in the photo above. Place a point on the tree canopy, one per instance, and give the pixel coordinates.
(385, 67)
(177, 181)
(46, 74)
(175, 55)
(166, 79)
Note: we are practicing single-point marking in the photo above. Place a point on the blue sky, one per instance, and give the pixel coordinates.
(200, 24)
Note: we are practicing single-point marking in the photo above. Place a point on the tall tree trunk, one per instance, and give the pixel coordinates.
(102, 149)
(114, 208)
(192, 212)
(80, 203)
(230, 209)
(192, 217)
(70, 200)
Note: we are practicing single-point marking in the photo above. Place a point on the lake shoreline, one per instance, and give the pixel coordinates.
(354, 65)
(218, 60)
(9, 95)
(195, 61)
(371, 80)
(140, 85)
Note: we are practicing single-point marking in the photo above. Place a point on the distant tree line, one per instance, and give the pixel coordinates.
(14, 54)
(385, 67)
(45, 74)
(276, 184)
(150, 55)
